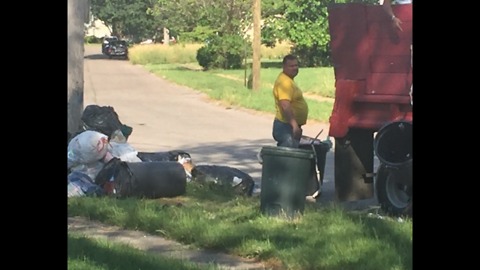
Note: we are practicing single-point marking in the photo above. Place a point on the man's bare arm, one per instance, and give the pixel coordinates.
(387, 6)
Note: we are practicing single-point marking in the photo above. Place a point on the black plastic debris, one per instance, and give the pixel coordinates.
(224, 175)
(104, 119)
(162, 156)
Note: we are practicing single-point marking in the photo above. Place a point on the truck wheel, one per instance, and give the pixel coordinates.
(394, 197)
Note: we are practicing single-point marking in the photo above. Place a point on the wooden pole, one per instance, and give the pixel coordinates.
(166, 36)
(256, 61)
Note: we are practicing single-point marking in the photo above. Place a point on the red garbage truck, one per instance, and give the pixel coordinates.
(372, 113)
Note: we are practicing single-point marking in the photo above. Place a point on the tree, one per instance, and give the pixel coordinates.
(302, 22)
(125, 17)
(202, 17)
(196, 19)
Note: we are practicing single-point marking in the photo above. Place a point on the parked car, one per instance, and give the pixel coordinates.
(106, 41)
(117, 48)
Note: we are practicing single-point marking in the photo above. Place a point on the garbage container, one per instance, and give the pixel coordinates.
(152, 180)
(320, 150)
(285, 175)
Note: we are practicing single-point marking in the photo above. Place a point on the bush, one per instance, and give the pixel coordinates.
(92, 40)
(225, 52)
(204, 57)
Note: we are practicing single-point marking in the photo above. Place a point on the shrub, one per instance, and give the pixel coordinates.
(204, 57)
(92, 39)
(225, 52)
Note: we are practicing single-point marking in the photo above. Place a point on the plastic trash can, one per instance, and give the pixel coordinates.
(320, 150)
(285, 175)
(151, 180)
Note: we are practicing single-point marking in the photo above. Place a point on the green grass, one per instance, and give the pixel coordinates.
(325, 237)
(228, 86)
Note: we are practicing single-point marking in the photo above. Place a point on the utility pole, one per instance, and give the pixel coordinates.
(166, 36)
(77, 15)
(256, 61)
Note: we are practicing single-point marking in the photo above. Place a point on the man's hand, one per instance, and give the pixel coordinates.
(288, 114)
(297, 131)
(397, 23)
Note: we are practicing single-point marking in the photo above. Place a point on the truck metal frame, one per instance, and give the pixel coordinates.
(372, 113)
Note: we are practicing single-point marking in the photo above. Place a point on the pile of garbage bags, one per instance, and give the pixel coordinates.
(101, 162)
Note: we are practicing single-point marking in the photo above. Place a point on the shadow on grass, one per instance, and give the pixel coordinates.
(292, 244)
(268, 64)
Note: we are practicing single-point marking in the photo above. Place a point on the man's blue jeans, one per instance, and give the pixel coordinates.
(283, 134)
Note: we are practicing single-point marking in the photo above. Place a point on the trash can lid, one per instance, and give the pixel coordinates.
(287, 152)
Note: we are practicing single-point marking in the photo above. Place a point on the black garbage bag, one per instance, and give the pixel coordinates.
(108, 172)
(152, 180)
(162, 156)
(104, 119)
(223, 175)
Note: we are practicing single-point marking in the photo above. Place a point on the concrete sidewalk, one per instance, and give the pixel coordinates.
(158, 245)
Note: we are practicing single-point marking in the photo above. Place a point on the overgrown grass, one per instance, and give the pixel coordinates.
(177, 63)
(163, 54)
(91, 254)
(323, 238)
(181, 53)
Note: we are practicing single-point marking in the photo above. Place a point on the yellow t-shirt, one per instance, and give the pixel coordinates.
(286, 89)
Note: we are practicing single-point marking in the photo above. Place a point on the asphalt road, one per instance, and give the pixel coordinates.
(165, 116)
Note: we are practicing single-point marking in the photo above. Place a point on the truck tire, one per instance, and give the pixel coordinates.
(394, 197)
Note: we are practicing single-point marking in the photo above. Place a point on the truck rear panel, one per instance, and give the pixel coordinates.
(373, 76)
(373, 66)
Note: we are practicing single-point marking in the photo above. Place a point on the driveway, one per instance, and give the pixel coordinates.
(165, 116)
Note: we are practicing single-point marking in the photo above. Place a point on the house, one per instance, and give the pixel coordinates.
(96, 28)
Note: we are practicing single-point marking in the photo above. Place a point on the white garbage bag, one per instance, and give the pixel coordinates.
(87, 147)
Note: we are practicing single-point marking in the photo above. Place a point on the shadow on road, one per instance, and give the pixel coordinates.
(101, 56)
(95, 56)
(242, 154)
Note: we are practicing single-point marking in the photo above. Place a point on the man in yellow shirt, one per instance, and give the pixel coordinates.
(291, 108)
